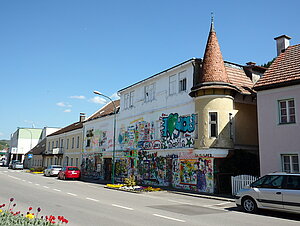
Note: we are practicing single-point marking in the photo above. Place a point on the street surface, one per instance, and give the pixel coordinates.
(90, 204)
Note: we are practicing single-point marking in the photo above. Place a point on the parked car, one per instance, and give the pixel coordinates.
(11, 163)
(68, 172)
(17, 165)
(2, 162)
(276, 191)
(52, 170)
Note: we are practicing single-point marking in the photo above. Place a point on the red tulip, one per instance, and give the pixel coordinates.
(39, 209)
(11, 199)
(30, 208)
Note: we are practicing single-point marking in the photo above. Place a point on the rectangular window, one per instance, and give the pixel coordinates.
(71, 161)
(68, 143)
(73, 141)
(213, 124)
(182, 81)
(290, 163)
(149, 93)
(52, 144)
(77, 143)
(88, 143)
(49, 146)
(126, 101)
(287, 111)
(56, 144)
(77, 161)
(131, 99)
(62, 143)
(172, 84)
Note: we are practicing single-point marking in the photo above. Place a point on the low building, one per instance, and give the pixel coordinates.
(278, 100)
(64, 147)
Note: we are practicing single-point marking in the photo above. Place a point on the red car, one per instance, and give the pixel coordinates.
(69, 172)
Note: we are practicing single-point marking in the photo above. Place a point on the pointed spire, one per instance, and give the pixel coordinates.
(212, 27)
(213, 64)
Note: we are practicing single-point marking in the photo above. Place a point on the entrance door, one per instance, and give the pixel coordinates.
(107, 168)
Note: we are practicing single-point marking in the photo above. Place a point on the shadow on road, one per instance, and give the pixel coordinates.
(271, 213)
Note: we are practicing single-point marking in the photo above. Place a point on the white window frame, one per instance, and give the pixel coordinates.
(126, 100)
(182, 82)
(213, 122)
(149, 92)
(172, 84)
(288, 111)
(291, 163)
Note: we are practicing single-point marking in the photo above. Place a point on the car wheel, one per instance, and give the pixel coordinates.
(249, 205)
(64, 177)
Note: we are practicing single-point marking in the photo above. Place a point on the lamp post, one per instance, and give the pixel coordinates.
(114, 138)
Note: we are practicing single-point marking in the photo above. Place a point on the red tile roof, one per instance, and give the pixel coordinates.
(238, 78)
(74, 126)
(284, 71)
(106, 110)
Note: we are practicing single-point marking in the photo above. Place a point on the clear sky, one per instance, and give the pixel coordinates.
(54, 53)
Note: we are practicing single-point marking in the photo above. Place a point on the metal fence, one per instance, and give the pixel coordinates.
(240, 181)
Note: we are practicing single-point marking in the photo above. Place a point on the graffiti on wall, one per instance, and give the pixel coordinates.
(170, 131)
(177, 131)
(98, 139)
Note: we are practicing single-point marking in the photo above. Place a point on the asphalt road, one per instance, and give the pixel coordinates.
(91, 204)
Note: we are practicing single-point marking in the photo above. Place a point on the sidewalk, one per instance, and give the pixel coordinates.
(221, 197)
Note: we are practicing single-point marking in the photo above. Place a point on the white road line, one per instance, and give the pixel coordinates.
(29, 182)
(169, 218)
(24, 180)
(92, 199)
(123, 207)
(37, 184)
(184, 203)
(45, 186)
(71, 194)
(56, 189)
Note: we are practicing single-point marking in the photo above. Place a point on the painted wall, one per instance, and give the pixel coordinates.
(245, 120)
(276, 139)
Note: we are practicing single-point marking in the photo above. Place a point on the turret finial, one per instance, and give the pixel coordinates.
(212, 27)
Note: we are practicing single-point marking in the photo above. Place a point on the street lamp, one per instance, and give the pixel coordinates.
(114, 139)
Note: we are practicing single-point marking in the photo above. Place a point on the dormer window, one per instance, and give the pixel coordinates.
(128, 100)
(149, 92)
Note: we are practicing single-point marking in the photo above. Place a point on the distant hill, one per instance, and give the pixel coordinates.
(4, 144)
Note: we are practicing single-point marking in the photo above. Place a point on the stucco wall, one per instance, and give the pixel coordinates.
(245, 120)
(223, 105)
(274, 138)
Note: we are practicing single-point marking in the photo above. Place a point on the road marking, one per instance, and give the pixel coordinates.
(71, 194)
(92, 199)
(56, 189)
(37, 184)
(24, 180)
(169, 218)
(184, 203)
(29, 182)
(123, 207)
(45, 186)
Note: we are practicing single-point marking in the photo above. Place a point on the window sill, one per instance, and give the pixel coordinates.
(286, 123)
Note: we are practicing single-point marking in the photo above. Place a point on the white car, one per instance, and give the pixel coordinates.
(276, 191)
(52, 170)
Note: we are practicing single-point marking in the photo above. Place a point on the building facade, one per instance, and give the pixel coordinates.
(278, 100)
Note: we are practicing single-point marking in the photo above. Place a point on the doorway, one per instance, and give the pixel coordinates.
(107, 168)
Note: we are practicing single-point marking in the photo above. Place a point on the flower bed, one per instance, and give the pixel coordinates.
(135, 188)
(8, 216)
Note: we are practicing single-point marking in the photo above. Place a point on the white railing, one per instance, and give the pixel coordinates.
(240, 181)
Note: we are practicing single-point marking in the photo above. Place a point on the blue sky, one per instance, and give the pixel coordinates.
(54, 53)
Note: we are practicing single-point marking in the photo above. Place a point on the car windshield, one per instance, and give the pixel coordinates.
(56, 167)
(73, 168)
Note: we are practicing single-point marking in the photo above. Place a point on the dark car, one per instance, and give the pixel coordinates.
(69, 172)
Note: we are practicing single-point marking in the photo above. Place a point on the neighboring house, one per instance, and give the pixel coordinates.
(64, 147)
(278, 100)
(191, 126)
(98, 142)
(33, 158)
(22, 141)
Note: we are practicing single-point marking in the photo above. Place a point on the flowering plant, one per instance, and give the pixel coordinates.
(9, 217)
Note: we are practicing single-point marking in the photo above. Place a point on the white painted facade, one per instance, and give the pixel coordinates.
(277, 139)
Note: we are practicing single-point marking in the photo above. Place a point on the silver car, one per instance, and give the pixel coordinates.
(17, 165)
(52, 170)
(276, 191)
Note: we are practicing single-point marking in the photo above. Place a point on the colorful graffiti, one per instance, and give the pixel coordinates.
(100, 140)
(174, 131)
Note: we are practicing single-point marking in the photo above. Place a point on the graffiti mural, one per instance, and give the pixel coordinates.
(174, 131)
(100, 140)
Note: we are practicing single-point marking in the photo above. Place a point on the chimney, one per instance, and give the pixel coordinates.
(282, 42)
(81, 117)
